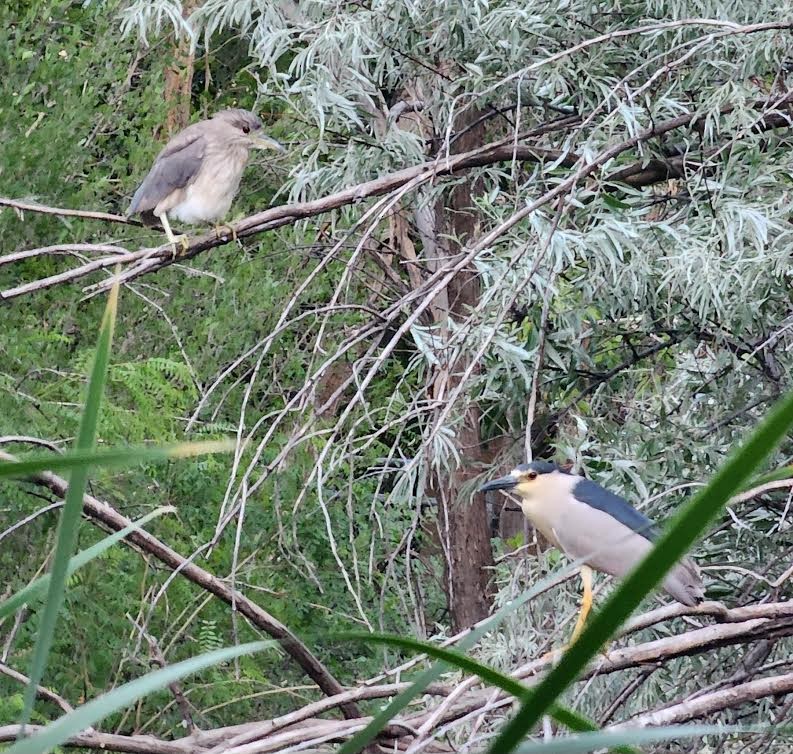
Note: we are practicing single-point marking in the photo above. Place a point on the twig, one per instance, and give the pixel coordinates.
(19, 524)
(41, 691)
(63, 248)
(158, 660)
(45, 210)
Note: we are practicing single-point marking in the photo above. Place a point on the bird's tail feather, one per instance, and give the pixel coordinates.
(684, 583)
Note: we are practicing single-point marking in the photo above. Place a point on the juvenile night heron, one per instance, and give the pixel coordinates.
(197, 175)
(590, 523)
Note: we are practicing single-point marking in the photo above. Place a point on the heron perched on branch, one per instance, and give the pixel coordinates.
(589, 523)
(197, 175)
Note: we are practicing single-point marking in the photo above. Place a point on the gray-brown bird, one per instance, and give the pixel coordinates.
(589, 523)
(197, 175)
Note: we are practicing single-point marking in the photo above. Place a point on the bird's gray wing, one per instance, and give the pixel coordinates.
(607, 544)
(593, 494)
(175, 167)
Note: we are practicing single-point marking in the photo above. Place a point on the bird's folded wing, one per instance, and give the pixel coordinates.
(601, 540)
(175, 167)
(608, 545)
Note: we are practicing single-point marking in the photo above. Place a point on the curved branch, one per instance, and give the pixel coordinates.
(102, 513)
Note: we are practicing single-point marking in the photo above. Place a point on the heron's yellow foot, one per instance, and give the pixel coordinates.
(172, 239)
(232, 232)
(176, 242)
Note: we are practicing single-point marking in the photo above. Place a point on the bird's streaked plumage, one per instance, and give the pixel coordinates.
(197, 175)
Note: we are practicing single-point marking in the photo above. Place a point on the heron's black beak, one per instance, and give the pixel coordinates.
(260, 141)
(502, 483)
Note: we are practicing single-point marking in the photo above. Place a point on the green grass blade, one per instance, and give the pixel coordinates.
(673, 543)
(110, 457)
(97, 709)
(73, 505)
(36, 587)
(449, 656)
(588, 742)
(567, 717)
(361, 739)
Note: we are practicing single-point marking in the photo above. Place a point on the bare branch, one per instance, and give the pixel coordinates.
(717, 701)
(41, 691)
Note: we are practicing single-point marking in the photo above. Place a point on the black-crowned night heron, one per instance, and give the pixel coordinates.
(589, 523)
(197, 175)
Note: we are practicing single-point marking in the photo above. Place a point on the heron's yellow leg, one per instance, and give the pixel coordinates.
(586, 603)
(586, 607)
(172, 239)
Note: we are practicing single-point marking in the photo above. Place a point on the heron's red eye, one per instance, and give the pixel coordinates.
(532, 475)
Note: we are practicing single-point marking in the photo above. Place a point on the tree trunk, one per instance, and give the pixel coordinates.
(179, 78)
(465, 530)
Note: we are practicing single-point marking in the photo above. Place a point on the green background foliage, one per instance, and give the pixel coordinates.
(660, 316)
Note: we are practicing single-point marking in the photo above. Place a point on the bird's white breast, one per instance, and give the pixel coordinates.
(209, 197)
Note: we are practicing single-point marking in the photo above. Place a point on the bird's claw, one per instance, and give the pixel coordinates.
(177, 241)
(220, 236)
(556, 654)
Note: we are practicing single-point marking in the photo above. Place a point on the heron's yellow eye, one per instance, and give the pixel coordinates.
(531, 476)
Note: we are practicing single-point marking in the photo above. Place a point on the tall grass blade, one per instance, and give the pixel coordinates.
(73, 504)
(35, 588)
(110, 457)
(567, 717)
(673, 543)
(783, 472)
(97, 709)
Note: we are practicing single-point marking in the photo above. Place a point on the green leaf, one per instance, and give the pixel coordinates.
(70, 515)
(563, 715)
(673, 543)
(450, 656)
(613, 202)
(86, 716)
(36, 587)
(111, 457)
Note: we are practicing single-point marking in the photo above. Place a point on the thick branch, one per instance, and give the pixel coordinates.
(105, 741)
(102, 513)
